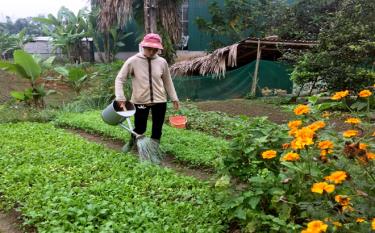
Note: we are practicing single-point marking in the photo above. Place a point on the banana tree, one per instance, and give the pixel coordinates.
(75, 77)
(26, 66)
(9, 43)
(67, 31)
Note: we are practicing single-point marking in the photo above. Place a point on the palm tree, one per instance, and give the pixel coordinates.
(159, 15)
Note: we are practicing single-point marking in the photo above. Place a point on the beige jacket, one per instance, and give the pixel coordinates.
(146, 89)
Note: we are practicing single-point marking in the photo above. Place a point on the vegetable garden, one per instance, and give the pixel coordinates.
(299, 176)
(258, 164)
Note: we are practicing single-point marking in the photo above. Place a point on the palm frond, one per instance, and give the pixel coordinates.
(114, 12)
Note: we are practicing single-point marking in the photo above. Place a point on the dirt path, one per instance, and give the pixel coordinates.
(9, 222)
(169, 161)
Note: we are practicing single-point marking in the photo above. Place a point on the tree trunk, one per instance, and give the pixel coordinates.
(150, 7)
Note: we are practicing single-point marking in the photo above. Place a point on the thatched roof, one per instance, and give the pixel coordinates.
(236, 55)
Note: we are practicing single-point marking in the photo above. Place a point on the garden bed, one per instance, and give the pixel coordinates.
(60, 183)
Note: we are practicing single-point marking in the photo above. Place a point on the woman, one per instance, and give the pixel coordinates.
(151, 82)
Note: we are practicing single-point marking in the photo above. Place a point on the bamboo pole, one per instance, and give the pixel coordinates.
(255, 76)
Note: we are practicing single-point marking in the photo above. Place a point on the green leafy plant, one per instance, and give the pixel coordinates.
(63, 183)
(75, 77)
(193, 148)
(26, 66)
(308, 175)
(67, 30)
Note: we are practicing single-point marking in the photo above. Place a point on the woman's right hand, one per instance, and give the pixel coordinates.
(121, 104)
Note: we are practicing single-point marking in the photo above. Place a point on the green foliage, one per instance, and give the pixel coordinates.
(11, 42)
(88, 102)
(21, 24)
(278, 196)
(304, 19)
(67, 31)
(26, 66)
(249, 140)
(109, 42)
(218, 124)
(193, 148)
(102, 92)
(18, 113)
(62, 183)
(237, 20)
(75, 77)
(344, 58)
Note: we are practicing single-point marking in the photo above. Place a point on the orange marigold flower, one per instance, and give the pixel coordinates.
(317, 125)
(292, 132)
(301, 109)
(294, 124)
(317, 226)
(362, 146)
(343, 200)
(269, 154)
(353, 120)
(365, 93)
(350, 133)
(373, 224)
(325, 144)
(329, 188)
(304, 137)
(291, 156)
(359, 220)
(321, 187)
(370, 155)
(339, 95)
(286, 146)
(337, 177)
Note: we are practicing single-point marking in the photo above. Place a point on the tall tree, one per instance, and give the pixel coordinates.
(345, 56)
(162, 14)
(239, 19)
(67, 31)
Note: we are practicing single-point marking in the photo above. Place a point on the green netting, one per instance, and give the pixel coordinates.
(235, 84)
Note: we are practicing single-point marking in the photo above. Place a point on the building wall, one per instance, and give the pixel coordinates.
(42, 48)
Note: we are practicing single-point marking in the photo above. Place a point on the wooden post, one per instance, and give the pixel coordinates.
(255, 76)
(150, 7)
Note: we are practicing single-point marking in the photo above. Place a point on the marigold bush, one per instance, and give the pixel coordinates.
(304, 176)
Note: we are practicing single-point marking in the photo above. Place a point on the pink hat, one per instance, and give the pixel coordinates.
(152, 40)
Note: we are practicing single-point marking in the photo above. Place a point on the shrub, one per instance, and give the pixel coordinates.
(310, 176)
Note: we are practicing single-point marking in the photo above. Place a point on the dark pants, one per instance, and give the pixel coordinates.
(158, 114)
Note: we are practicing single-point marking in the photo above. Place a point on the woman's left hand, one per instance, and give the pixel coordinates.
(176, 105)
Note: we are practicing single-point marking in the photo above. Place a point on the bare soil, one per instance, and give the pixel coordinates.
(246, 107)
(11, 222)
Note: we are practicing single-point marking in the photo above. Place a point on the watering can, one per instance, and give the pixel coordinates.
(114, 115)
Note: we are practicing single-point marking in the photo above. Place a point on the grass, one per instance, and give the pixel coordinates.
(62, 183)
